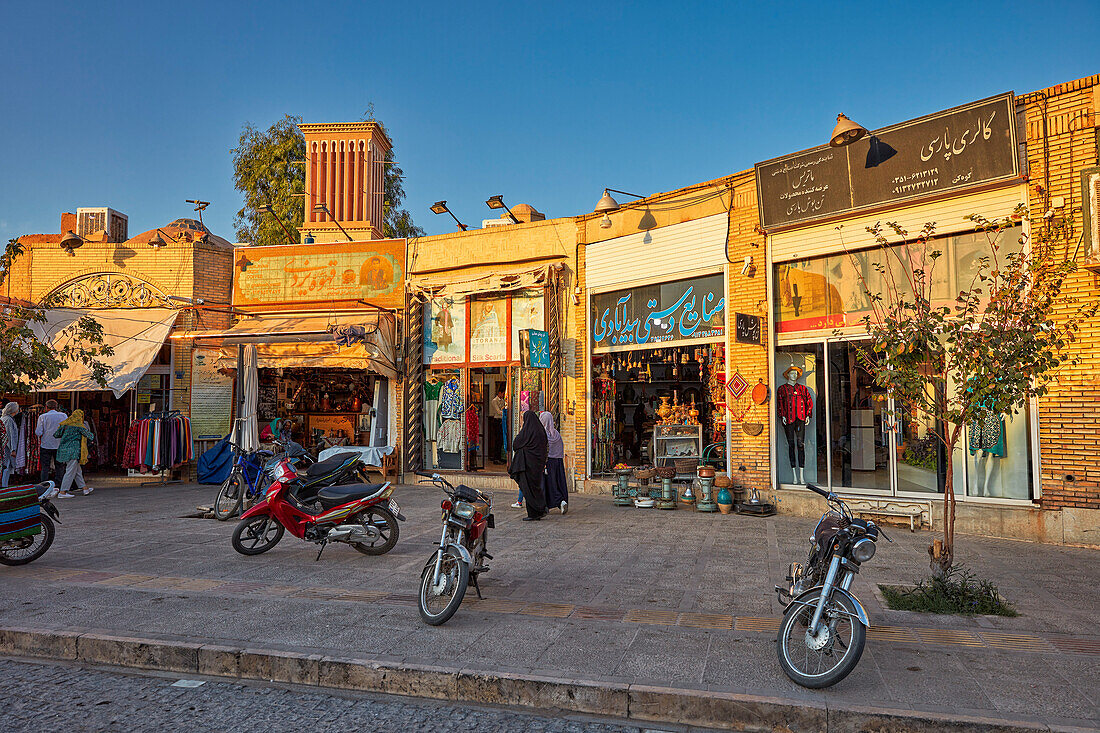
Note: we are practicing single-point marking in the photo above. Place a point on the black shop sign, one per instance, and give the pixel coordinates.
(951, 150)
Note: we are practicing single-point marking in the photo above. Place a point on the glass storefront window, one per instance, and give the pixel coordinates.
(998, 456)
(859, 441)
(444, 429)
(445, 331)
(800, 452)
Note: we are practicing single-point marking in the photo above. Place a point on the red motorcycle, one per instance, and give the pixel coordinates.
(467, 516)
(361, 515)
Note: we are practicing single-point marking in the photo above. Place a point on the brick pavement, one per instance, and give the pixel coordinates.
(49, 696)
(603, 594)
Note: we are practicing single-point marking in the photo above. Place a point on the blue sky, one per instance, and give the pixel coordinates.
(137, 105)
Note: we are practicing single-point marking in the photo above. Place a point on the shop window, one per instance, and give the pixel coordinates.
(801, 447)
(444, 429)
(997, 450)
(489, 330)
(445, 331)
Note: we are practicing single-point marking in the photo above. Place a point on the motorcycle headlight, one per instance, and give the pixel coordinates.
(463, 509)
(863, 550)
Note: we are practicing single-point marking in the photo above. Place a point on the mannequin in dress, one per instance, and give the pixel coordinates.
(795, 406)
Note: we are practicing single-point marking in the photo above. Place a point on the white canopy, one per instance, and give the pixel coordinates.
(135, 334)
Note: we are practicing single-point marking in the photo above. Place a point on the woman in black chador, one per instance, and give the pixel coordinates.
(528, 462)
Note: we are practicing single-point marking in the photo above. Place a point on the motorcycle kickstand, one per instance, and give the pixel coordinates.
(323, 543)
(477, 587)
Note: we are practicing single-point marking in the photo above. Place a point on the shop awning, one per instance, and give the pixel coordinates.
(353, 341)
(135, 334)
(497, 281)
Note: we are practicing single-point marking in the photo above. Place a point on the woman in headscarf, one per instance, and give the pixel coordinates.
(9, 441)
(553, 478)
(528, 464)
(73, 451)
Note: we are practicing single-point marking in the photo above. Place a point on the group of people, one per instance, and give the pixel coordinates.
(63, 446)
(538, 466)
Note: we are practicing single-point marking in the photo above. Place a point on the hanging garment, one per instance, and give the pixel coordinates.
(794, 402)
(450, 401)
(473, 429)
(988, 433)
(451, 437)
(431, 410)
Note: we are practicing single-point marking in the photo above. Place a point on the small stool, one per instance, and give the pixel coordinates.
(390, 465)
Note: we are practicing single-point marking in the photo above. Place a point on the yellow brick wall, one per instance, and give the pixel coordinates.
(1069, 415)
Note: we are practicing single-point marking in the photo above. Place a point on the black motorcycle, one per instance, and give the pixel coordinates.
(22, 550)
(824, 626)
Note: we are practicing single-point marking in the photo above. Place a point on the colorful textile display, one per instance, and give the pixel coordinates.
(19, 512)
(158, 443)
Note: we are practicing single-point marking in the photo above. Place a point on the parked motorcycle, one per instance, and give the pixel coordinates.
(460, 557)
(361, 515)
(30, 547)
(824, 626)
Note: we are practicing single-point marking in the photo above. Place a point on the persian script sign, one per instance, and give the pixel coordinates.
(955, 149)
(338, 271)
(684, 310)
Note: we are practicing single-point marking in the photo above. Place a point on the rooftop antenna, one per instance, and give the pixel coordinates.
(200, 206)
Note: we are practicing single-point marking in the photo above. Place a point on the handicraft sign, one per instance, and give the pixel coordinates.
(303, 273)
(747, 328)
(680, 311)
(955, 149)
(534, 348)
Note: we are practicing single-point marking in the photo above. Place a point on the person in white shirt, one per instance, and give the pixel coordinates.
(48, 423)
(496, 426)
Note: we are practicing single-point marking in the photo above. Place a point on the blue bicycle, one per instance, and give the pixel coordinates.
(247, 480)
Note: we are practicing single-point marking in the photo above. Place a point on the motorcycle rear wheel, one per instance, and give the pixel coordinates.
(454, 577)
(839, 654)
(256, 535)
(228, 500)
(11, 554)
(386, 525)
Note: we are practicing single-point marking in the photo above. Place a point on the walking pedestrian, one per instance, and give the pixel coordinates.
(553, 477)
(528, 463)
(9, 442)
(73, 436)
(47, 425)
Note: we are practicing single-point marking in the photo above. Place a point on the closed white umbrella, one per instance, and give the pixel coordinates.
(248, 381)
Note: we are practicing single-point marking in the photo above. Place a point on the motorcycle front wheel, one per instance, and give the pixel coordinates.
(28, 549)
(384, 526)
(229, 496)
(438, 601)
(256, 535)
(827, 658)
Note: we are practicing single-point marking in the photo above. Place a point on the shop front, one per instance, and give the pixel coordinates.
(834, 427)
(475, 388)
(657, 349)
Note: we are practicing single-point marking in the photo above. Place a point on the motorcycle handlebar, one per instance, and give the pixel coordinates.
(818, 490)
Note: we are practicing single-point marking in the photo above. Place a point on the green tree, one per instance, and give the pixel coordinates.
(25, 362)
(989, 349)
(269, 169)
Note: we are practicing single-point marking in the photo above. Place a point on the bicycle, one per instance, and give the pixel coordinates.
(240, 486)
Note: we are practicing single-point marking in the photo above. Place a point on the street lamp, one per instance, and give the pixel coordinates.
(846, 132)
(607, 204)
(323, 209)
(440, 207)
(269, 209)
(157, 241)
(497, 202)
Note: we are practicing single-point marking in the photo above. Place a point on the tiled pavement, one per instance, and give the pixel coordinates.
(604, 593)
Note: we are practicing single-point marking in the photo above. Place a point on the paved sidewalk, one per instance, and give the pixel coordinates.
(604, 595)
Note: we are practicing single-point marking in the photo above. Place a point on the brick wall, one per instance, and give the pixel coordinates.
(1069, 415)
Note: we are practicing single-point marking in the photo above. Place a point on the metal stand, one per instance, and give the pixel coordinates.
(704, 503)
(621, 491)
(164, 480)
(668, 495)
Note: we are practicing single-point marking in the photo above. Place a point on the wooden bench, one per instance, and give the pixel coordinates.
(913, 510)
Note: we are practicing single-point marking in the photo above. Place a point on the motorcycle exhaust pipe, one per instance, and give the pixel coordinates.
(348, 533)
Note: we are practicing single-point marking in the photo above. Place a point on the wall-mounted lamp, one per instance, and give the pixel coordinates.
(157, 241)
(269, 209)
(71, 242)
(497, 202)
(323, 209)
(846, 132)
(440, 207)
(607, 204)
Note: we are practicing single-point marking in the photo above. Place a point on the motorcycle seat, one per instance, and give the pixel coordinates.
(336, 495)
(329, 464)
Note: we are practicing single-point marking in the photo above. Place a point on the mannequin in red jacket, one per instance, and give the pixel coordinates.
(796, 406)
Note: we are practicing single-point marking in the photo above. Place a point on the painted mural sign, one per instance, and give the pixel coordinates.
(372, 271)
(951, 150)
(684, 310)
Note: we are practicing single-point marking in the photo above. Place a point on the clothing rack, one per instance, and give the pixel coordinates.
(168, 446)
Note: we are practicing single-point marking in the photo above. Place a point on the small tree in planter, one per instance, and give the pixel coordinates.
(25, 362)
(999, 342)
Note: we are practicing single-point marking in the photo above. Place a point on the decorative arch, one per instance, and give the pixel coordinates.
(108, 290)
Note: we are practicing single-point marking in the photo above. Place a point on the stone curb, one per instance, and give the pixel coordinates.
(640, 703)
